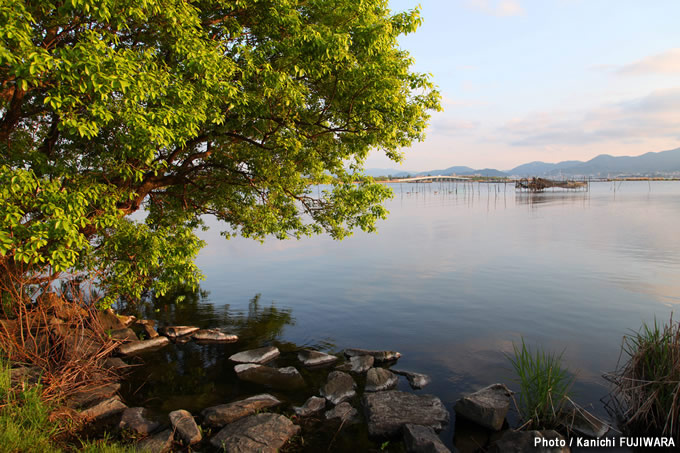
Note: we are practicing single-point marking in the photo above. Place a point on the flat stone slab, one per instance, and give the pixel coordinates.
(286, 378)
(415, 380)
(339, 387)
(379, 356)
(311, 358)
(126, 334)
(486, 407)
(134, 419)
(214, 335)
(185, 425)
(93, 395)
(104, 409)
(135, 347)
(379, 379)
(386, 412)
(262, 433)
(313, 405)
(344, 412)
(177, 331)
(576, 418)
(422, 439)
(230, 412)
(523, 442)
(259, 355)
(158, 443)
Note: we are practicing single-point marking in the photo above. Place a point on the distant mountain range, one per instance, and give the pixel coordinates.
(664, 163)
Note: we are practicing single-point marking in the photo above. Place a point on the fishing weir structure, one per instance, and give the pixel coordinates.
(541, 184)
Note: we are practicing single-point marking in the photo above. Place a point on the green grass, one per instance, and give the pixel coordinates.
(544, 386)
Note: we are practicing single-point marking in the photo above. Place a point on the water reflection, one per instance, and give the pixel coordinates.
(528, 198)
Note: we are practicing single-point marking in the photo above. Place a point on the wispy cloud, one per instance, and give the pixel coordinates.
(664, 63)
(441, 125)
(501, 8)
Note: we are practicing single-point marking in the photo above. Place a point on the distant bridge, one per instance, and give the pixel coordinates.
(438, 178)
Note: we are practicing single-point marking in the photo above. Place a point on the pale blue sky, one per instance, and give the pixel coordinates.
(549, 80)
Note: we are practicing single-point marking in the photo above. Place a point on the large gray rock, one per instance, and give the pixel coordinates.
(104, 409)
(576, 418)
(422, 439)
(286, 378)
(214, 336)
(259, 355)
(134, 419)
(339, 387)
(91, 395)
(158, 443)
(379, 379)
(313, 405)
(345, 413)
(136, 347)
(524, 442)
(310, 358)
(361, 363)
(379, 356)
(262, 433)
(228, 413)
(486, 407)
(185, 425)
(386, 412)
(415, 380)
(174, 332)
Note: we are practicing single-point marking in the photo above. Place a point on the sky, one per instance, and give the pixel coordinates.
(544, 80)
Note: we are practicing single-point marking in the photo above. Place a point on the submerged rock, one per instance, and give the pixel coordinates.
(422, 439)
(387, 412)
(378, 379)
(228, 413)
(134, 419)
(104, 409)
(486, 407)
(173, 332)
(158, 443)
(524, 442)
(286, 378)
(262, 433)
(311, 358)
(313, 405)
(259, 355)
(576, 418)
(415, 380)
(144, 345)
(379, 356)
(345, 412)
(185, 425)
(339, 387)
(214, 335)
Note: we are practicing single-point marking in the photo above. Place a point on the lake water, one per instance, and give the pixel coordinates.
(454, 277)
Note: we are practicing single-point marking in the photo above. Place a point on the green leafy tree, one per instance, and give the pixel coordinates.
(231, 108)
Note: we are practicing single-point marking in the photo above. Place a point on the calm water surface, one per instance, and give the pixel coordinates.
(453, 277)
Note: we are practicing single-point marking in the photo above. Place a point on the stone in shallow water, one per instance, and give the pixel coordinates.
(378, 379)
(387, 412)
(576, 418)
(134, 419)
(379, 356)
(262, 433)
(486, 407)
(214, 335)
(310, 358)
(345, 413)
(228, 413)
(185, 425)
(523, 442)
(135, 347)
(177, 331)
(313, 405)
(104, 409)
(259, 355)
(339, 387)
(422, 439)
(158, 443)
(415, 380)
(286, 378)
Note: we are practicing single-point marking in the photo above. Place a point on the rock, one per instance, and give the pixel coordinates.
(259, 355)
(174, 332)
(379, 356)
(92, 395)
(185, 425)
(486, 407)
(576, 418)
(109, 321)
(145, 328)
(311, 358)
(422, 439)
(214, 335)
(523, 442)
(158, 443)
(339, 387)
(262, 433)
(126, 334)
(415, 380)
(143, 345)
(81, 344)
(228, 413)
(313, 405)
(104, 409)
(134, 419)
(28, 374)
(127, 320)
(361, 363)
(280, 378)
(386, 412)
(114, 363)
(378, 379)
(345, 412)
